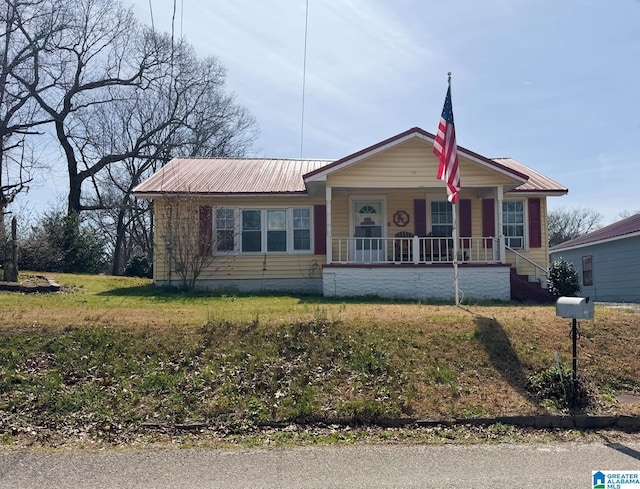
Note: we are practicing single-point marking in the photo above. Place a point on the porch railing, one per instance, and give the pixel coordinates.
(415, 250)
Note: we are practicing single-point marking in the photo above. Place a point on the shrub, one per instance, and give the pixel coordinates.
(555, 388)
(563, 279)
(61, 243)
(139, 266)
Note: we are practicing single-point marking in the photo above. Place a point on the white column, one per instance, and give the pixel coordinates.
(329, 244)
(499, 199)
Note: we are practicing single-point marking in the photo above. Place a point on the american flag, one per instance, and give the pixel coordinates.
(446, 150)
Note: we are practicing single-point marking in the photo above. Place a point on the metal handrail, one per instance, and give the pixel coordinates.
(536, 266)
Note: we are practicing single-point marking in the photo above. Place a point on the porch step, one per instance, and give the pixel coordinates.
(523, 290)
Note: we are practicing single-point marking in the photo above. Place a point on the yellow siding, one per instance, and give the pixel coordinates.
(303, 265)
(265, 266)
(540, 256)
(409, 165)
(240, 266)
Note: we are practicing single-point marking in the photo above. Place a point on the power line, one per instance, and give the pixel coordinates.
(151, 12)
(304, 76)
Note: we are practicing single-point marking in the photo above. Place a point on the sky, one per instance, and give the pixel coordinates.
(553, 84)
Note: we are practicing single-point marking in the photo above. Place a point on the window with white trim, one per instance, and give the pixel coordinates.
(251, 231)
(302, 229)
(441, 218)
(225, 229)
(513, 223)
(277, 230)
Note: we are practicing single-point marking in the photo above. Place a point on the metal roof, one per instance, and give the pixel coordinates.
(229, 176)
(266, 176)
(628, 226)
(537, 182)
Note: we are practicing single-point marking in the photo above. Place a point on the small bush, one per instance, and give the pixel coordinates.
(555, 389)
(62, 243)
(563, 279)
(139, 266)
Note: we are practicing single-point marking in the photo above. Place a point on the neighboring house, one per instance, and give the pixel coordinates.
(376, 222)
(607, 261)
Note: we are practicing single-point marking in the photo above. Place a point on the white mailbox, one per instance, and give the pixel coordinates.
(574, 307)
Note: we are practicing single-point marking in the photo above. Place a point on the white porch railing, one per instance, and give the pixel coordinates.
(415, 250)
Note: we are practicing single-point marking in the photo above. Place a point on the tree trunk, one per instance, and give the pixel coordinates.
(118, 251)
(11, 255)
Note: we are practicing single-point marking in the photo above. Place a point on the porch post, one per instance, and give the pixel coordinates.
(499, 199)
(328, 210)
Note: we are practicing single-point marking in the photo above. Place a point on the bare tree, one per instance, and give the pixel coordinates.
(100, 57)
(122, 100)
(196, 117)
(27, 28)
(627, 213)
(569, 223)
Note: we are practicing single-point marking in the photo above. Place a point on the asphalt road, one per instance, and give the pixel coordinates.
(523, 466)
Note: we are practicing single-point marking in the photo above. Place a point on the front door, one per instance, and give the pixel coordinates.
(367, 225)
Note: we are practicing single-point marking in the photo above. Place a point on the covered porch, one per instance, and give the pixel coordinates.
(399, 243)
(386, 219)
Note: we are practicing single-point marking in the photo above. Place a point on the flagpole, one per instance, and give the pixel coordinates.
(454, 233)
(445, 148)
(455, 255)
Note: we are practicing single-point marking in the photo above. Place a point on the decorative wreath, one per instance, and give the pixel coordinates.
(401, 218)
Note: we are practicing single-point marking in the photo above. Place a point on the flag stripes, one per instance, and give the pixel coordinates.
(446, 150)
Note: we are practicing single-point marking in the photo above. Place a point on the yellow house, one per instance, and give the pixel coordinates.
(376, 222)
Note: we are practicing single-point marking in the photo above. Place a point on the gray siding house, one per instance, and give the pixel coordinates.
(607, 261)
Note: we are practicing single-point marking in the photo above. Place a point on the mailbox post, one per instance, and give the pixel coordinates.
(574, 308)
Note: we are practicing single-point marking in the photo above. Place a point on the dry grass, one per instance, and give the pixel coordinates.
(178, 357)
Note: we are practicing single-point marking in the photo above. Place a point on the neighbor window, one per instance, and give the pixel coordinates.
(225, 229)
(441, 218)
(513, 223)
(587, 270)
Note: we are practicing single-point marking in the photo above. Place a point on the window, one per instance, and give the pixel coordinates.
(513, 223)
(276, 230)
(225, 229)
(441, 218)
(302, 229)
(587, 270)
(251, 231)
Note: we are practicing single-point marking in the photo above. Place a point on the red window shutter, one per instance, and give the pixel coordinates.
(464, 205)
(420, 217)
(488, 220)
(206, 231)
(320, 229)
(535, 223)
